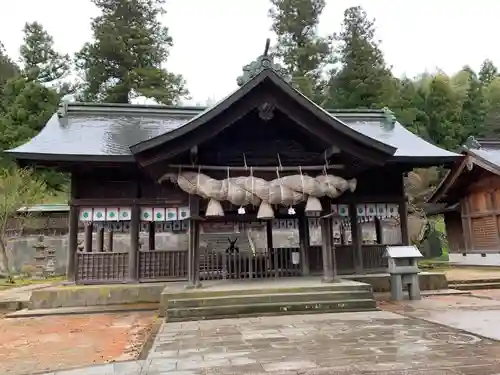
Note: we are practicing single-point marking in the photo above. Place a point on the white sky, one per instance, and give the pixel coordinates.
(215, 38)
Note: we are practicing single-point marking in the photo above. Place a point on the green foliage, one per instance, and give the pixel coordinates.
(488, 72)
(125, 57)
(443, 110)
(303, 53)
(18, 188)
(41, 62)
(363, 79)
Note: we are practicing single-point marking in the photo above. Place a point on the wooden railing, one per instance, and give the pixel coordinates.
(278, 262)
(102, 267)
(373, 259)
(163, 265)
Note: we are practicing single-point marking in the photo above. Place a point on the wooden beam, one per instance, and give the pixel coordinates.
(257, 168)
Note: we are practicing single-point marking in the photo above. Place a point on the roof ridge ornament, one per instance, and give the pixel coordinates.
(389, 118)
(264, 61)
(472, 143)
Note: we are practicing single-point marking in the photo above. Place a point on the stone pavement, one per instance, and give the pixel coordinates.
(372, 343)
(479, 316)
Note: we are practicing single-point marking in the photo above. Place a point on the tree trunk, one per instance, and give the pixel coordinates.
(5, 259)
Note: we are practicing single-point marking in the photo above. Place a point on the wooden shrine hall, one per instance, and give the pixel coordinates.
(263, 184)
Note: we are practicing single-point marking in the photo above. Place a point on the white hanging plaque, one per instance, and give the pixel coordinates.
(184, 213)
(343, 210)
(171, 214)
(295, 257)
(125, 213)
(111, 214)
(99, 214)
(159, 214)
(86, 214)
(146, 214)
(381, 210)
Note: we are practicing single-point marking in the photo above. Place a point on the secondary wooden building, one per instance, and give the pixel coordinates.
(123, 160)
(469, 199)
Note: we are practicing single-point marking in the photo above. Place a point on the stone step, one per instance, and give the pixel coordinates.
(475, 281)
(262, 289)
(264, 309)
(251, 299)
(472, 286)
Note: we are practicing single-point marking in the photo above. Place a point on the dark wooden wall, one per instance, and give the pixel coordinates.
(454, 232)
(480, 211)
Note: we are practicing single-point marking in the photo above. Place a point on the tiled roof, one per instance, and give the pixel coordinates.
(106, 131)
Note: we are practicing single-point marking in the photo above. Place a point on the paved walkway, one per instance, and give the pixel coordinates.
(350, 343)
(480, 316)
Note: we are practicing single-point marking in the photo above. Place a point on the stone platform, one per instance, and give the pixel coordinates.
(243, 298)
(69, 296)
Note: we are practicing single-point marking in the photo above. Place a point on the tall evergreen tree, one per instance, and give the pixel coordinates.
(363, 80)
(473, 111)
(41, 62)
(488, 72)
(8, 69)
(125, 58)
(303, 53)
(443, 110)
(409, 107)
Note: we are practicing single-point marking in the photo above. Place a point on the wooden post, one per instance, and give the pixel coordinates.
(304, 245)
(196, 263)
(379, 230)
(194, 244)
(88, 236)
(109, 242)
(100, 238)
(327, 250)
(327, 244)
(151, 237)
(357, 240)
(403, 219)
(466, 224)
(72, 243)
(134, 243)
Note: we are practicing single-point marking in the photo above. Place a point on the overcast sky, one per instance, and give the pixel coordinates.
(215, 38)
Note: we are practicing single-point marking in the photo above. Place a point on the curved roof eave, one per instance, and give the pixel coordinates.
(223, 105)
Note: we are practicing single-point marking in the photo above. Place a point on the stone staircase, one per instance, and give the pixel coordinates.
(265, 300)
(474, 284)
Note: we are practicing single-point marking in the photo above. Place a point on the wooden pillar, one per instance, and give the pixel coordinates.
(327, 250)
(134, 243)
(357, 239)
(196, 263)
(378, 230)
(466, 224)
(304, 242)
(72, 243)
(327, 243)
(403, 219)
(151, 238)
(100, 238)
(109, 239)
(88, 236)
(269, 235)
(193, 266)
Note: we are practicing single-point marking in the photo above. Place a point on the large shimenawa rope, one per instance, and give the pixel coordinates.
(241, 191)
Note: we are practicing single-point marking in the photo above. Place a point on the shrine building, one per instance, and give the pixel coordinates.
(220, 183)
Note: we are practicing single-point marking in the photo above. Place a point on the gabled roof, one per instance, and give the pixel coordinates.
(112, 132)
(270, 77)
(483, 153)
